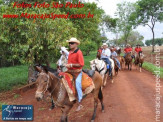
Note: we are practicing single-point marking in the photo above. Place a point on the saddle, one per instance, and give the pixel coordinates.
(90, 73)
(69, 83)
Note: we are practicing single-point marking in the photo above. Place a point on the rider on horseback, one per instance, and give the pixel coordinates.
(128, 49)
(138, 49)
(114, 55)
(105, 55)
(75, 65)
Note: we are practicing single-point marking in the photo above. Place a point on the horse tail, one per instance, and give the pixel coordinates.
(100, 95)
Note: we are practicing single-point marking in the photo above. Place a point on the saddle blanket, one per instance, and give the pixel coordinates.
(69, 83)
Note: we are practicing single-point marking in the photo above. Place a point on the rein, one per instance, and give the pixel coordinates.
(47, 86)
(55, 102)
(100, 68)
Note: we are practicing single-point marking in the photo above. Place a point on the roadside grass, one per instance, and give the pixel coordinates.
(89, 58)
(13, 76)
(17, 76)
(151, 67)
(16, 96)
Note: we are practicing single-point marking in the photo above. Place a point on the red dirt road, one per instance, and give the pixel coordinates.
(131, 98)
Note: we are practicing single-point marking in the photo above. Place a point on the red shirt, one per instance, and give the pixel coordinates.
(76, 57)
(127, 50)
(100, 51)
(138, 49)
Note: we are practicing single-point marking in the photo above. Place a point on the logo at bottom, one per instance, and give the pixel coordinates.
(17, 112)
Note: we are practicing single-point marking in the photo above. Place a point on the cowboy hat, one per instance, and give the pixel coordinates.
(104, 44)
(73, 40)
(128, 45)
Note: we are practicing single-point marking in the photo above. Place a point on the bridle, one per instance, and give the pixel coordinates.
(47, 86)
(101, 68)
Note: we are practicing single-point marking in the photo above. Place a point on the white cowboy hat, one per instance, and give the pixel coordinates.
(104, 44)
(73, 40)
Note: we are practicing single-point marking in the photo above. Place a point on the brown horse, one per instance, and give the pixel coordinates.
(118, 51)
(139, 60)
(116, 69)
(49, 82)
(128, 61)
(121, 60)
(98, 55)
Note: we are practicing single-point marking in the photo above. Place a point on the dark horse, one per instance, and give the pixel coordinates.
(118, 51)
(128, 60)
(139, 60)
(116, 69)
(50, 82)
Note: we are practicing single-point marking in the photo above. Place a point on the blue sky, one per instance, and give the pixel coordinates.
(110, 7)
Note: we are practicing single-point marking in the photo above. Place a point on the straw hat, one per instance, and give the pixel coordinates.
(73, 40)
(104, 44)
(128, 45)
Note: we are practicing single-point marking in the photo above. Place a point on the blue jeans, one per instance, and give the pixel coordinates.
(79, 86)
(108, 62)
(118, 62)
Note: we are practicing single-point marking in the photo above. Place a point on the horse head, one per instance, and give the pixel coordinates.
(141, 55)
(97, 64)
(43, 81)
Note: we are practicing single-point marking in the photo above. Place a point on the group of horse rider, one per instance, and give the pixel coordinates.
(107, 53)
(73, 61)
(129, 49)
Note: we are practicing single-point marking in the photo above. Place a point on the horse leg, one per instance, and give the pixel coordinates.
(140, 66)
(65, 111)
(104, 80)
(53, 105)
(111, 77)
(96, 92)
(128, 66)
(131, 66)
(100, 97)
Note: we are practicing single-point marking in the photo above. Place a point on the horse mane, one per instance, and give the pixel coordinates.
(48, 69)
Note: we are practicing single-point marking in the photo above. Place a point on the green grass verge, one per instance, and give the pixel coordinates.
(89, 58)
(13, 76)
(151, 67)
(16, 76)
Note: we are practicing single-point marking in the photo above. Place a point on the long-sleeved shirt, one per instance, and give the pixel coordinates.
(114, 54)
(106, 52)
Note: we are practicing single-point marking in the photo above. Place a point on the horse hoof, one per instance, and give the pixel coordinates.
(92, 120)
(103, 111)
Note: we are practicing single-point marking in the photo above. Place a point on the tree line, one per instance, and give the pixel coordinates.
(29, 41)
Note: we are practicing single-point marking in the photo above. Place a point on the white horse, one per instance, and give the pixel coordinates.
(100, 66)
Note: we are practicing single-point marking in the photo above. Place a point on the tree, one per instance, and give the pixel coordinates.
(31, 41)
(28, 41)
(158, 41)
(135, 38)
(124, 23)
(148, 12)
